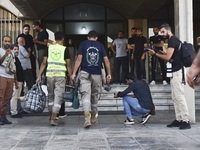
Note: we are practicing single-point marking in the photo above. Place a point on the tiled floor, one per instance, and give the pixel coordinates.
(34, 133)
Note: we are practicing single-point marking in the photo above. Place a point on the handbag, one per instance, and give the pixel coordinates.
(10, 66)
(35, 99)
(75, 103)
(68, 95)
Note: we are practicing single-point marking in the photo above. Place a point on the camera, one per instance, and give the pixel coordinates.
(146, 49)
(169, 70)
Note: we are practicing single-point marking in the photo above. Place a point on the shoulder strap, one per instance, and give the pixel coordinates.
(183, 75)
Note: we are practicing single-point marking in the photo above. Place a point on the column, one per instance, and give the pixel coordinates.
(184, 30)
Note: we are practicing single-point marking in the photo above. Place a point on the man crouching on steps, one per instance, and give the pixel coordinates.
(90, 54)
(140, 103)
(57, 57)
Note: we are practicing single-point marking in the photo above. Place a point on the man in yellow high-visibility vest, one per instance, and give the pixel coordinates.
(57, 57)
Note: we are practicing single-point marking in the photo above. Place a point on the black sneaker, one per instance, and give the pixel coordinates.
(184, 125)
(129, 121)
(1, 123)
(5, 120)
(16, 116)
(175, 123)
(145, 118)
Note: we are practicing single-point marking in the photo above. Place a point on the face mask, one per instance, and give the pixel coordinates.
(6, 46)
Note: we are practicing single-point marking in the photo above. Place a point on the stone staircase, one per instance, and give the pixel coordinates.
(161, 97)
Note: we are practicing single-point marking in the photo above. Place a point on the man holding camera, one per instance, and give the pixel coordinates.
(157, 41)
(140, 103)
(173, 55)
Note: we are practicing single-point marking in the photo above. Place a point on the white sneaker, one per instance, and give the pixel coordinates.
(129, 121)
(164, 82)
(153, 83)
(145, 119)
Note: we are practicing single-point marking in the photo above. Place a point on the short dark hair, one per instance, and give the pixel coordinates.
(6, 36)
(121, 31)
(130, 76)
(59, 36)
(13, 45)
(133, 28)
(92, 34)
(36, 23)
(139, 29)
(26, 25)
(166, 26)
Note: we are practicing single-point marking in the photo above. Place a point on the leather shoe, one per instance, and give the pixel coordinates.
(5, 120)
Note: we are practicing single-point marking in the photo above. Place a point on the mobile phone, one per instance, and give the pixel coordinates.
(196, 78)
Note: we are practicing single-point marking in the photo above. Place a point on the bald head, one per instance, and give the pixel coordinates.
(21, 41)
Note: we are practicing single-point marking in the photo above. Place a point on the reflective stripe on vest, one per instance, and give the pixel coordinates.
(56, 63)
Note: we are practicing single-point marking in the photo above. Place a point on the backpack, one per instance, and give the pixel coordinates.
(188, 53)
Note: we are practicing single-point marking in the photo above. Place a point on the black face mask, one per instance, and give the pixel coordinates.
(6, 46)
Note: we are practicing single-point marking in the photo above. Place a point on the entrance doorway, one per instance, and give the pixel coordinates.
(76, 20)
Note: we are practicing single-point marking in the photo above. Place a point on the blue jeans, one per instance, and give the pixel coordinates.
(132, 107)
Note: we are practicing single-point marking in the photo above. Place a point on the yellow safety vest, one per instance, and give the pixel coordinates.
(56, 63)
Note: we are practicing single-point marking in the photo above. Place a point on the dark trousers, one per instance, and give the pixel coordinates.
(28, 77)
(62, 110)
(121, 61)
(33, 66)
(132, 64)
(154, 63)
(140, 67)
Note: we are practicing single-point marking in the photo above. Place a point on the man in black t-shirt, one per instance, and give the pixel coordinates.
(29, 46)
(157, 41)
(41, 40)
(131, 42)
(139, 55)
(177, 87)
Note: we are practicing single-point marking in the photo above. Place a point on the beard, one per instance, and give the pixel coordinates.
(156, 33)
(6, 46)
(167, 36)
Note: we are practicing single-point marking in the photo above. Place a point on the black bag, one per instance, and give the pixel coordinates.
(188, 53)
(76, 102)
(68, 95)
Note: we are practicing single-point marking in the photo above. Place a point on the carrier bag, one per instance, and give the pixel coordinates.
(75, 103)
(68, 95)
(10, 65)
(35, 99)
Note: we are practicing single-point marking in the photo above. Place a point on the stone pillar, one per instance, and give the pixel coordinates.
(184, 30)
